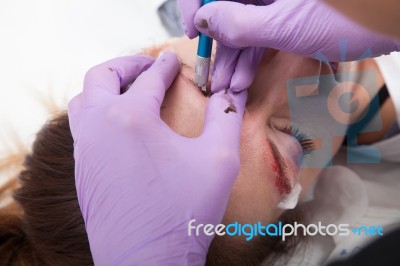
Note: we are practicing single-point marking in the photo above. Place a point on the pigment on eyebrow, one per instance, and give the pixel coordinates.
(279, 167)
(190, 81)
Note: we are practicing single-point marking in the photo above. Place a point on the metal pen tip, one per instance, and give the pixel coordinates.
(202, 70)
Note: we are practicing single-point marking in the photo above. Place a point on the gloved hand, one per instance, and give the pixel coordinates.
(242, 62)
(139, 183)
(306, 27)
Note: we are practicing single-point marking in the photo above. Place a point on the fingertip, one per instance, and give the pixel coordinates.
(168, 65)
(224, 21)
(110, 76)
(246, 68)
(220, 81)
(191, 32)
(224, 117)
(237, 89)
(240, 83)
(167, 55)
(224, 67)
(239, 99)
(142, 63)
(188, 10)
(216, 89)
(206, 17)
(217, 20)
(153, 83)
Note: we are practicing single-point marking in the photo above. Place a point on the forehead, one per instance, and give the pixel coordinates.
(185, 49)
(276, 69)
(280, 64)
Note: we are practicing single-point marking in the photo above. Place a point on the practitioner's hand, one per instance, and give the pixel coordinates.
(306, 27)
(242, 62)
(138, 182)
(188, 9)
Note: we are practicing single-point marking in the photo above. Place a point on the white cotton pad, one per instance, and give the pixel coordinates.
(290, 202)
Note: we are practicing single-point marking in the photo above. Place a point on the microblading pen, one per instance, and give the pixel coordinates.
(203, 58)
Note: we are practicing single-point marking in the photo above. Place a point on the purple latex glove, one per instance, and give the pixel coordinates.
(306, 27)
(138, 182)
(227, 60)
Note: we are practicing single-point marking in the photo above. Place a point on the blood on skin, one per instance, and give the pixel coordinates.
(281, 182)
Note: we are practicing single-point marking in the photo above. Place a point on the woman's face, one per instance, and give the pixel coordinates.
(269, 155)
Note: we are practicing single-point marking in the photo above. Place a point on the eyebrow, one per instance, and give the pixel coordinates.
(187, 79)
(186, 65)
(282, 180)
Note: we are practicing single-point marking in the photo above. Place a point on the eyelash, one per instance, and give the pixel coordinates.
(305, 142)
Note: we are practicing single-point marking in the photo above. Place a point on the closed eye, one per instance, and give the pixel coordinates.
(304, 140)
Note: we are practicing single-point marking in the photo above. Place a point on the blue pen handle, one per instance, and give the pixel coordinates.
(205, 46)
(203, 59)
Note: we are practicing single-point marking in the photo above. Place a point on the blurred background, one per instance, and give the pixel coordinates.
(47, 46)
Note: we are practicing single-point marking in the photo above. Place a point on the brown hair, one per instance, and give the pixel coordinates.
(269, 250)
(44, 225)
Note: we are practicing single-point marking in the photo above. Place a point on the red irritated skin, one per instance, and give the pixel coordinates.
(279, 167)
(285, 161)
